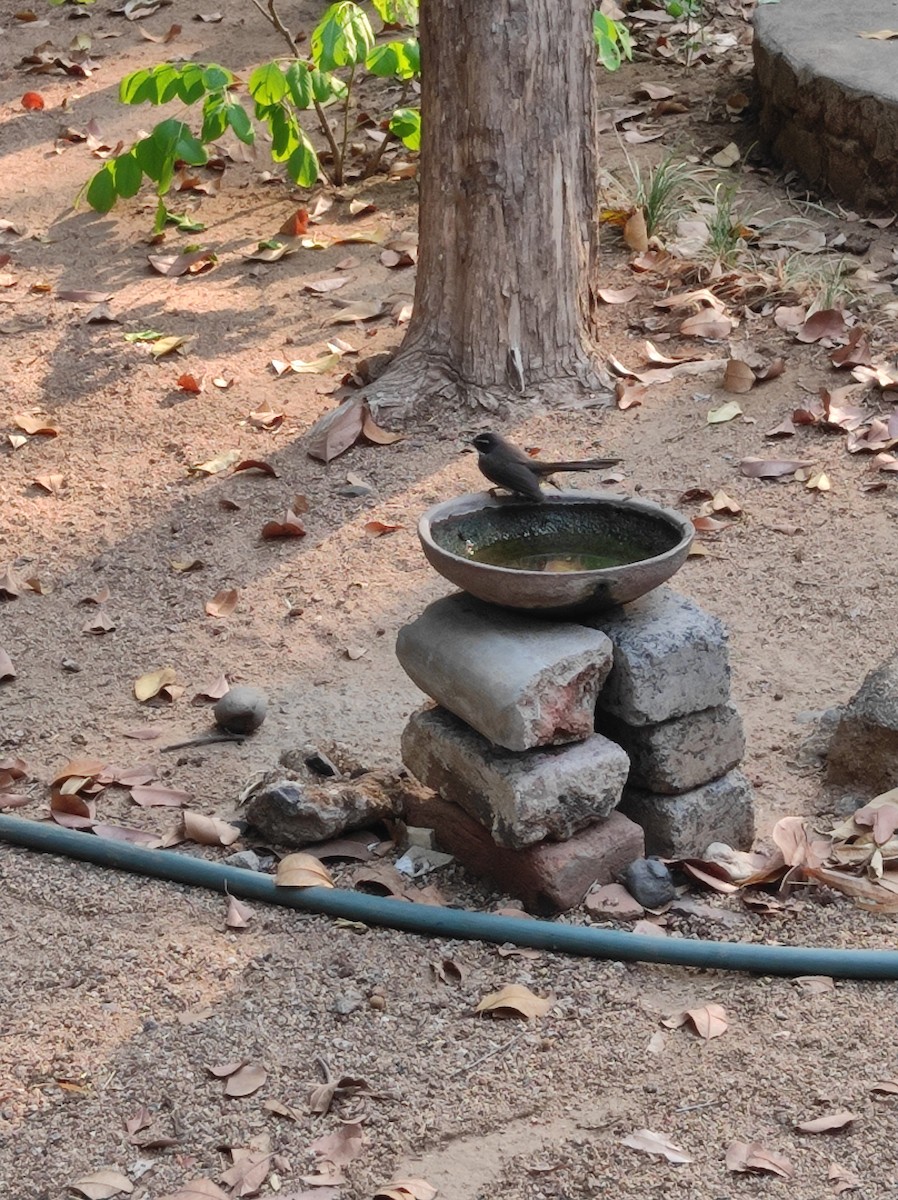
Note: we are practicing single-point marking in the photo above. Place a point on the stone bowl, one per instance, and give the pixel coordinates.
(577, 553)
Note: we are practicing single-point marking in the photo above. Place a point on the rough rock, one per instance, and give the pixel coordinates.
(518, 681)
(829, 98)
(677, 755)
(649, 882)
(683, 826)
(293, 813)
(549, 876)
(241, 710)
(670, 659)
(863, 751)
(551, 792)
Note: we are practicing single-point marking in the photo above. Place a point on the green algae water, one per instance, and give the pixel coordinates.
(555, 552)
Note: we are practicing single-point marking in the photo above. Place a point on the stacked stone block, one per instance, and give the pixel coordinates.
(560, 751)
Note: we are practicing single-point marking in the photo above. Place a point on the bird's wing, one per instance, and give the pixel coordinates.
(516, 476)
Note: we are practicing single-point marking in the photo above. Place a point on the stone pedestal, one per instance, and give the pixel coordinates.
(560, 750)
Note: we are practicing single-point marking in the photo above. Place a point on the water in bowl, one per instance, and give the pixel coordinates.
(556, 553)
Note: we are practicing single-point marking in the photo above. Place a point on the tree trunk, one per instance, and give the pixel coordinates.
(508, 227)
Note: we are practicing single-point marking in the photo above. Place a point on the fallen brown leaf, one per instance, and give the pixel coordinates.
(222, 603)
(103, 1185)
(7, 670)
(302, 870)
(709, 1021)
(827, 1124)
(289, 526)
(406, 1189)
(751, 1156)
(514, 1000)
(379, 528)
(238, 915)
(337, 430)
(342, 1146)
(208, 831)
(256, 464)
(658, 1144)
(825, 323)
(771, 468)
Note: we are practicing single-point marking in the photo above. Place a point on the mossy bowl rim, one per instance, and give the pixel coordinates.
(551, 593)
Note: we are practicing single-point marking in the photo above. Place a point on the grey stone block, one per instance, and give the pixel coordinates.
(519, 682)
(670, 659)
(685, 825)
(864, 746)
(675, 756)
(550, 792)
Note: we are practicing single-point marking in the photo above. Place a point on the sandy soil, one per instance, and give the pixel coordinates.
(118, 993)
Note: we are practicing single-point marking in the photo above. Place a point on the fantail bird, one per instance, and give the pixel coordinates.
(514, 469)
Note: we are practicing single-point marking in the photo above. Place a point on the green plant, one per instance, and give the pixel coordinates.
(613, 42)
(726, 229)
(663, 191)
(341, 45)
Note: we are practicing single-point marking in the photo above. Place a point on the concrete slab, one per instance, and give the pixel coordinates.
(518, 681)
(828, 97)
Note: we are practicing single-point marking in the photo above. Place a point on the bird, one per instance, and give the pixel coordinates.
(512, 468)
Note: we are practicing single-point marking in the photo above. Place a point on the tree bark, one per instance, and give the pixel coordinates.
(508, 224)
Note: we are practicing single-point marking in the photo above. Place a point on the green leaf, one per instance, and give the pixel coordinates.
(397, 12)
(168, 83)
(216, 78)
(161, 216)
(175, 138)
(405, 123)
(144, 335)
(400, 59)
(137, 87)
(342, 38)
(285, 134)
(609, 54)
(127, 175)
(327, 87)
(184, 222)
(238, 119)
(101, 193)
(299, 83)
(302, 165)
(215, 118)
(150, 157)
(192, 83)
(267, 84)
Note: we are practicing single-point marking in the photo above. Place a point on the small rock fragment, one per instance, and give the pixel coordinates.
(241, 710)
(247, 860)
(649, 882)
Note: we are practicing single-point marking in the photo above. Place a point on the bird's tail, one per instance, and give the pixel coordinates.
(583, 464)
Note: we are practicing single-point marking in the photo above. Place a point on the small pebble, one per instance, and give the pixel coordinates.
(248, 860)
(648, 881)
(377, 1002)
(241, 710)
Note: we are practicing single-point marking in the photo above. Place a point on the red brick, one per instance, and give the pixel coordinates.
(549, 876)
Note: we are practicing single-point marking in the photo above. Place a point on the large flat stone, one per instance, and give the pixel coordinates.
(550, 792)
(685, 825)
(519, 682)
(829, 98)
(863, 751)
(670, 659)
(547, 877)
(681, 754)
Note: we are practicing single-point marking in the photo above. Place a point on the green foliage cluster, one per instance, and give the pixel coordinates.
(343, 41)
(613, 42)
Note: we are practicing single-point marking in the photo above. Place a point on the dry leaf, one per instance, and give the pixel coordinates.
(726, 412)
(289, 526)
(222, 603)
(825, 323)
(711, 325)
(337, 430)
(100, 623)
(406, 1189)
(190, 383)
(159, 795)
(213, 691)
(771, 468)
(219, 463)
(102, 1185)
(722, 503)
(841, 1179)
(208, 831)
(837, 1120)
(361, 310)
(885, 1087)
(745, 1156)
(727, 157)
(380, 437)
(151, 684)
(297, 224)
(198, 1189)
(880, 35)
(239, 914)
(650, 1142)
(302, 870)
(321, 286)
(243, 1079)
(738, 377)
(793, 839)
(514, 1000)
(282, 1110)
(819, 482)
(7, 670)
(629, 395)
(617, 295)
(35, 426)
(635, 233)
(342, 1146)
(53, 484)
(174, 265)
(256, 464)
(379, 528)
